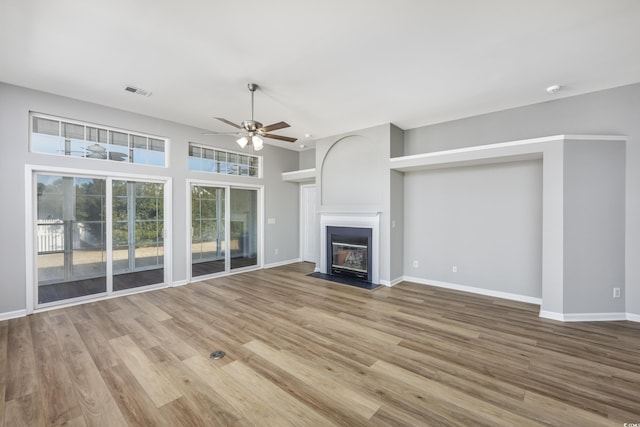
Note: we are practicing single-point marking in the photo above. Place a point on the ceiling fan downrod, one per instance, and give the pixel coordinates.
(251, 125)
(252, 87)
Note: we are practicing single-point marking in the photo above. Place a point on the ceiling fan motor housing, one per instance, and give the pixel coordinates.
(251, 125)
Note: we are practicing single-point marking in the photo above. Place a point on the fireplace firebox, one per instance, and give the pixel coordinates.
(349, 252)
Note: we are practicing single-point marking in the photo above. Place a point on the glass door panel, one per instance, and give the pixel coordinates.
(208, 230)
(243, 243)
(138, 234)
(71, 236)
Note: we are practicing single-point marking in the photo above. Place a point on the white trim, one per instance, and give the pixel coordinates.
(303, 175)
(585, 317)
(102, 173)
(489, 153)
(109, 233)
(352, 219)
(476, 290)
(594, 317)
(281, 263)
(12, 314)
(224, 150)
(167, 248)
(30, 242)
(84, 124)
(633, 317)
(260, 223)
(31, 219)
(392, 282)
(303, 233)
(179, 283)
(487, 147)
(227, 186)
(90, 124)
(552, 315)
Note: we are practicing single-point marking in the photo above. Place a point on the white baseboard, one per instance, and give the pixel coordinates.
(475, 290)
(281, 263)
(586, 317)
(594, 317)
(179, 283)
(633, 317)
(13, 314)
(392, 282)
(552, 315)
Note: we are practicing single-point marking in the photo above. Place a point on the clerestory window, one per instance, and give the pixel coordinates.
(64, 137)
(207, 159)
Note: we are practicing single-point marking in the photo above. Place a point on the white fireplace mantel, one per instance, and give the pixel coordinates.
(351, 218)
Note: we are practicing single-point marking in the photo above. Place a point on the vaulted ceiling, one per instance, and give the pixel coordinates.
(325, 67)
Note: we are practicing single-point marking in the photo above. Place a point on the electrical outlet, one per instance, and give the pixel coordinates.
(616, 292)
(277, 251)
(454, 268)
(415, 263)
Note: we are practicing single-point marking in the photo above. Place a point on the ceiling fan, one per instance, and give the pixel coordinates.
(251, 132)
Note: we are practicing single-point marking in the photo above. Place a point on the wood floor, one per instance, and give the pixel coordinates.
(302, 351)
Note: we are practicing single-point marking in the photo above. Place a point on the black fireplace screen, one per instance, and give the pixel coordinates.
(348, 249)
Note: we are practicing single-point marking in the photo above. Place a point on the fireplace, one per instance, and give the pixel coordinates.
(356, 228)
(349, 252)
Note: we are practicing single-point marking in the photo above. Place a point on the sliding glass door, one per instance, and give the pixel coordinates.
(138, 229)
(244, 228)
(72, 254)
(207, 230)
(70, 237)
(221, 214)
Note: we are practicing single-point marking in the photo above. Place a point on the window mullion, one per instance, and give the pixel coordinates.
(109, 237)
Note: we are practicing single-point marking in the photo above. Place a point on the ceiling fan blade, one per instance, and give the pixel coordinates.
(281, 138)
(221, 133)
(228, 122)
(275, 126)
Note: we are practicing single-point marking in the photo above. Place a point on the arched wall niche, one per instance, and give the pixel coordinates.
(349, 173)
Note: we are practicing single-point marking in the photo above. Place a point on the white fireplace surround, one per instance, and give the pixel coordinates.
(352, 219)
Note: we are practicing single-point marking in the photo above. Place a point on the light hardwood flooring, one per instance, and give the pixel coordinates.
(306, 352)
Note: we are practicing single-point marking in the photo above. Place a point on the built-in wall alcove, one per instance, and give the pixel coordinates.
(582, 217)
(478, 226)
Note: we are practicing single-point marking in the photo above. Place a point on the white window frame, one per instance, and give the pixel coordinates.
(224, 150)
(130, 135)
(30, 238)
(227, 232)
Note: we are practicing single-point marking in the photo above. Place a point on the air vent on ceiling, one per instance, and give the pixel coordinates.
(137, 91)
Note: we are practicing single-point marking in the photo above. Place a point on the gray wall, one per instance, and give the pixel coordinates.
(485, 220)
(396, 209)
(593, 226)
(282, 203)
(307, 159)
(610, 112)
(281, 199)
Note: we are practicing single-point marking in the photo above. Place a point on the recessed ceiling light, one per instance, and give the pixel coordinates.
(302, 145)
(553, 88)
(307, 135)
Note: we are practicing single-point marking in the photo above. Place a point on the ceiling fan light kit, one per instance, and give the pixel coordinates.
(252, 132)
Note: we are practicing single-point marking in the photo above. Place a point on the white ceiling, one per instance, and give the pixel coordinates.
(324, 66)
